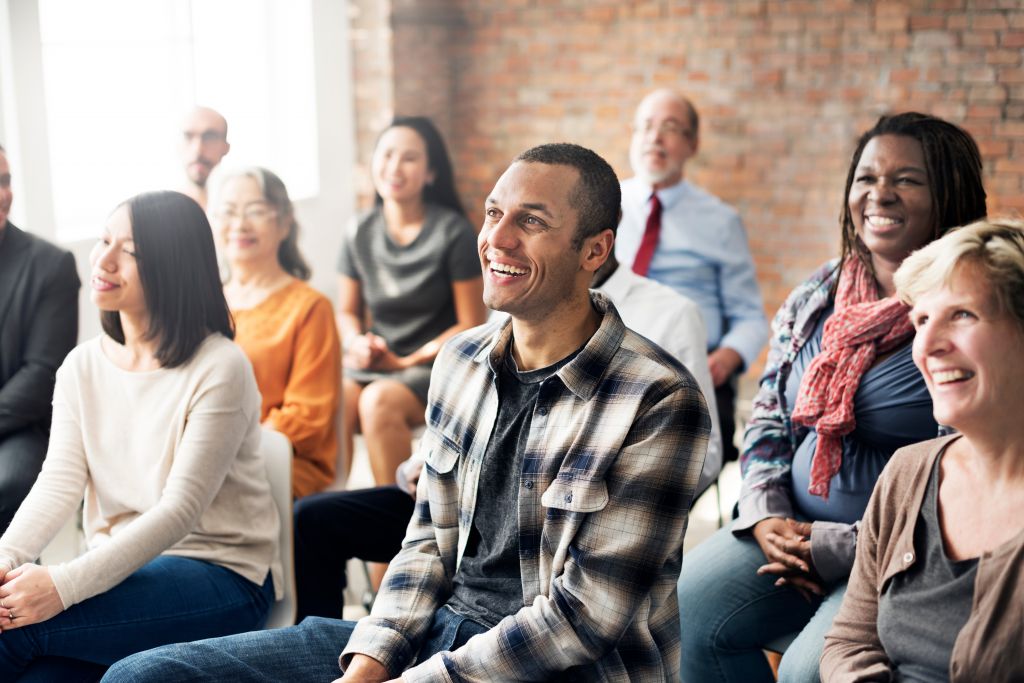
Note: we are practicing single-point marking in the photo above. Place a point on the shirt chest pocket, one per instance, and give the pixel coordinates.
(576, 495)
(441, 454)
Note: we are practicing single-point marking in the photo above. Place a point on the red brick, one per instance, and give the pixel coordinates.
(922, 22)
(989, 20)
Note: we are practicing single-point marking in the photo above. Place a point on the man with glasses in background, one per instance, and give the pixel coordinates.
(204, 142)
(680, 235)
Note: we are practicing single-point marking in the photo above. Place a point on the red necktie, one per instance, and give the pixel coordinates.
(649, 243)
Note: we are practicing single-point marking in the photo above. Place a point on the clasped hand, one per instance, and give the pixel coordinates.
(27, 596)
(370, 352)
(786, 544)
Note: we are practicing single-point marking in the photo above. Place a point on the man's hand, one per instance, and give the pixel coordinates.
(365, 669)
(786, 545)
(723, 363)
(28, 596)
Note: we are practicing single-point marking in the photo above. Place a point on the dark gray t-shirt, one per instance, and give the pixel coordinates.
(488, 586)
(921, 611)
(407, 289)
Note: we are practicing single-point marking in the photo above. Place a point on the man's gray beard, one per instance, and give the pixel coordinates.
(649, 177)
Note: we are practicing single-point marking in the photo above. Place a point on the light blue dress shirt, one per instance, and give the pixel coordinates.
(702, 253)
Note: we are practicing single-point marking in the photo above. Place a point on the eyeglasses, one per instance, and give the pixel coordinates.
(670, 128)
(206, 137)
(255, 213)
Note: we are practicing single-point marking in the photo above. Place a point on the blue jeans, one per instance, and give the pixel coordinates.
(167, 600)
(728, 613)
(307, 652)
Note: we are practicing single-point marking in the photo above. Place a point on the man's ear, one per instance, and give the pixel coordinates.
(595, 250)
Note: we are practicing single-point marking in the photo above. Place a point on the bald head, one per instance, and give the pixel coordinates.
(204, 143)
(665, 134)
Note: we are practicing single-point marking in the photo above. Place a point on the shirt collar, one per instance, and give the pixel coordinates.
(667, 196)
(583, 373)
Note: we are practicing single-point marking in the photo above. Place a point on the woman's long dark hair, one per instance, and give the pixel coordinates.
(177, 266)
(442, 190)
(952, 161)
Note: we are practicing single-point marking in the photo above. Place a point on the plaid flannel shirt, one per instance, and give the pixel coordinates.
(614, 452)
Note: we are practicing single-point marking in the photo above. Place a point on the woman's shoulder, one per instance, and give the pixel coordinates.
(449, 219)
(218, 354)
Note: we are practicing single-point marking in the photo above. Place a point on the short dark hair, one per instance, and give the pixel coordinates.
(442, 190)
(276, 194)
(596, 196)
(177, 266)
(952, 161)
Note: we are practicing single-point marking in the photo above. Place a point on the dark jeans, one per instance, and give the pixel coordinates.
(167, 600)
(333, 527)
(307, 652)
(21, 457)
(725, 396)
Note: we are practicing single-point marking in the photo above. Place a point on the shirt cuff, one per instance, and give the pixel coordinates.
(385, 645)
(758, 504)
(430, 671)
(833, 548)
(748, 346)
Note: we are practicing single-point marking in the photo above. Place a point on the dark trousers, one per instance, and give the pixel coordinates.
(725, 396)
(21, 457)
(333, 527)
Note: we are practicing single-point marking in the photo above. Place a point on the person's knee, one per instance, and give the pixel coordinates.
(161, 664)
(800, 664)
(379, 406)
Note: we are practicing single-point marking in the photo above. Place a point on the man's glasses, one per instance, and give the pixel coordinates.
(207, 137)
(668, 128)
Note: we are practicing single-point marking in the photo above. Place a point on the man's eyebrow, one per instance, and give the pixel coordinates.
(537, 206)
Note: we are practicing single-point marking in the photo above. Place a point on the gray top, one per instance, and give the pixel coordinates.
(407, 289)
(921, 611)
(488, 586)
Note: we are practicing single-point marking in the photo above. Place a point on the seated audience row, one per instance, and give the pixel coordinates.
(562, 450)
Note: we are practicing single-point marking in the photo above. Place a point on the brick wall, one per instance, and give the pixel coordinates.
(783, 86)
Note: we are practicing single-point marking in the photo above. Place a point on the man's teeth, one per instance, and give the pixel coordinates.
(947, 376)
(510, 270)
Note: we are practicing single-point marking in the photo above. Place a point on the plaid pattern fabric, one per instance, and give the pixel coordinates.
(614, 452)
(771, 437)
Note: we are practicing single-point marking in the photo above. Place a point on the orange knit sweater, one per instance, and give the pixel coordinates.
(292, 343)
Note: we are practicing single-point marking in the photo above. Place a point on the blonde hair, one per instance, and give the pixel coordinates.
(993, 249)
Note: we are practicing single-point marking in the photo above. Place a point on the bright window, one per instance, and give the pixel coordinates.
(120, 74)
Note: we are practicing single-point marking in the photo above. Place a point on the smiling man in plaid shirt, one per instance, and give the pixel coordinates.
(562, 452)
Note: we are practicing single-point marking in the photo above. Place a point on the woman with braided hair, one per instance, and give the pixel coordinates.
(839, 395)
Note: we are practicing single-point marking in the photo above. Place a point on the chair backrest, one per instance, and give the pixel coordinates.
(277, 455)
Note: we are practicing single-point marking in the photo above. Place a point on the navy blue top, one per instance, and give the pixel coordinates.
(892, 408)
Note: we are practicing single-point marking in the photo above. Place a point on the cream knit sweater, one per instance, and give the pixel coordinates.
(167, 462)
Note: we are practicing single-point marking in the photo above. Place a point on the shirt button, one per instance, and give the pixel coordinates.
(528, 484)
(568, 498)
(543, 411)
(908, 558)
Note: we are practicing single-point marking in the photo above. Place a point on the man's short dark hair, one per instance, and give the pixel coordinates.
(180, 278)
(596, 197)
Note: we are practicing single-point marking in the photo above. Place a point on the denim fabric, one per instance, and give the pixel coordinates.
(728, 613)
(307, 652)
(168, 600)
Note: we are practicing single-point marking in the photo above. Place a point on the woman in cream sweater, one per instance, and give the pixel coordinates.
(156, 426)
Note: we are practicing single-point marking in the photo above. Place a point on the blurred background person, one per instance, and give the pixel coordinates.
(285, 327)
(38, 326)
(204, 142)
(156, 424)
(409, 279)
(938, 585)
(840, 393)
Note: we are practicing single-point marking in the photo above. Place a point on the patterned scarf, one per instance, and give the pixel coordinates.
(861, 327)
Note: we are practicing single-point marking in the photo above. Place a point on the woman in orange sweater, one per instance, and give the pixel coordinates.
(285, 327)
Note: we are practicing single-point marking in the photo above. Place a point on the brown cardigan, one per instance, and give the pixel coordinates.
(988, 647)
